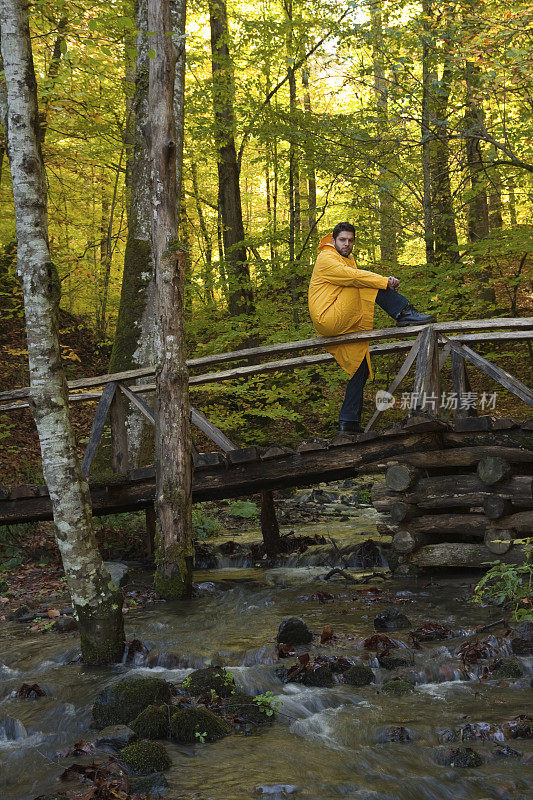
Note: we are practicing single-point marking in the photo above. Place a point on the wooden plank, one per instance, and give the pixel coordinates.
(443, 357)
(498, 374)
(426, 383)
(402, 372)
(97, 428)
(119, 435)
(518, 324)
(138, 402)
(210, 430)
(461, 386)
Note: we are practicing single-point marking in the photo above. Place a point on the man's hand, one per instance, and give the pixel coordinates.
(393, 283)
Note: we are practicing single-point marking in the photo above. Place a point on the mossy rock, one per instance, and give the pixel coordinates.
(152, 723)
(187, 722)
(201, 681)
(243, 706)
(461, 757)
(144, 757)
(392, 662)
(398, 686)
(508, 668)
(359, 675)
(122, 702)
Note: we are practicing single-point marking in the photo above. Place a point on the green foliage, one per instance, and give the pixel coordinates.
(509, 585)
(204, 525)
(244, 509)
(268, 703)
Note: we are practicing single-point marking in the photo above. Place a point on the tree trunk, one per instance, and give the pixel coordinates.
(237, 270)
(446, 246)
(427, 77)
(134, 345)
(310, 164)
(174, 554)
(209, 295)
(387, 211)
(96, 600)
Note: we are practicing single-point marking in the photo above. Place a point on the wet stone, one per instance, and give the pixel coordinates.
(277, 791)
(203, 681)
(154, 785)
(359, 675)
(294, 631)
(397, 686)
(461, 757)
(65, 624)
(522, 644)
(114, 736)
(145, 758)
(395, 734)
(245, 710)
(506, 752)
(392, 662)
(124, 700)
(507, 668)
(391, 620)
(119, 572)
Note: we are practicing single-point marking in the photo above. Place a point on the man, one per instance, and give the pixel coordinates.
(341, 300)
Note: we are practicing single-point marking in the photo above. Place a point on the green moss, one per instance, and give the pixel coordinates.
(398, 686)
(509, 668)
(243, 707)
(190, 725)
(202, 681)
(152, 723)
(173, 576)
(359, 675)
(144, 757)
(122, 702)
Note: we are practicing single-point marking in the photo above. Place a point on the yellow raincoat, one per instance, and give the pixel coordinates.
(341, 300)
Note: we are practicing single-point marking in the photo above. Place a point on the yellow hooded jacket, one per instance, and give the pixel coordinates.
(341, 300)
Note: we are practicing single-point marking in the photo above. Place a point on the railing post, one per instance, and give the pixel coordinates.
(427, 379)
(119, 438)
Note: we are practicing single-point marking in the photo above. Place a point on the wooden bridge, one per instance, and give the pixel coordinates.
(422, 443)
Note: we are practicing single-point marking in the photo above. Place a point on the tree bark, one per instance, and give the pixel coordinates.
(310, 164)
(134, 345)
(387, 211)
(427, 77)
(237, 270)
(96, 600)
(174, 553)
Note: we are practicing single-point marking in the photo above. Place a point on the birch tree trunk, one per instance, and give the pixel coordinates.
(174, 548)
(96, 600)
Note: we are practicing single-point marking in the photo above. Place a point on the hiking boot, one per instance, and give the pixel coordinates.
(349, 427)
(410, 316)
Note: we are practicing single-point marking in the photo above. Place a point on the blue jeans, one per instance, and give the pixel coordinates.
(393, 303)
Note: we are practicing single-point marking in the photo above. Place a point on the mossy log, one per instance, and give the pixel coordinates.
(456, 554)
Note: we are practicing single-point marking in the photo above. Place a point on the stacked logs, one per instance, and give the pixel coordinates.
(452, 515)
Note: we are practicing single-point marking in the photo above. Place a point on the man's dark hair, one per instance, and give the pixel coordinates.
(343, 226)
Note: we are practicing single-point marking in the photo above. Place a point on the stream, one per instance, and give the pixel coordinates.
(325, 743)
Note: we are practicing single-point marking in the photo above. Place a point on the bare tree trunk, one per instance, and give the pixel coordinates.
(444, 229)
(237, 270)
(96, 600)
(174, 553)
(427, 77)
(310, 163)
(209, 295)
(387, 210)
(133, 345)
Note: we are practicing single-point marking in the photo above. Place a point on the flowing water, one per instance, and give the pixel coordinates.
(326, 743)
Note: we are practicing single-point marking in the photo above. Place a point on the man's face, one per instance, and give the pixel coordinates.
(344, 243)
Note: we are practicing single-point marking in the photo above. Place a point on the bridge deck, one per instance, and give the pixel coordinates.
(418, 440)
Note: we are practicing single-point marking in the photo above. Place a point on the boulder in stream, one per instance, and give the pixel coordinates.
(114, 736)
(202, 681)
(392, 662)
(123, 701)
(522, 644)
(397, 686)
(507, 669)
(154, 785)
(65, 624)
(505, 752)
(197, 725)
(462, 757)
(294, 631)
(242, 706)
(395, 734)
(152, 723)
(359, 675)
(144, 758)
(391, 619)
